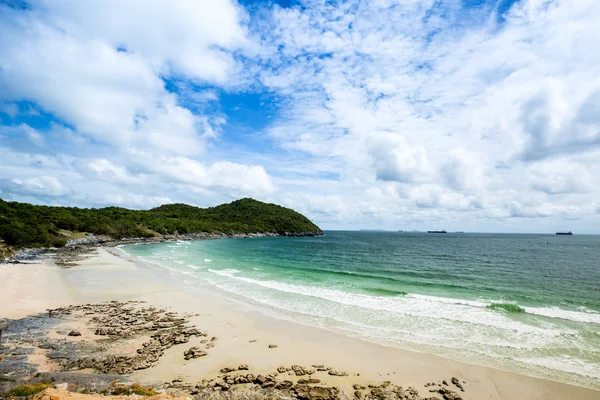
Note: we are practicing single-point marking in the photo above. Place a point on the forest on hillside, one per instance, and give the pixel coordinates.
(28, 225)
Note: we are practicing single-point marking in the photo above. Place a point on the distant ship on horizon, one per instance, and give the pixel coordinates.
(444, 231)
(569, 233)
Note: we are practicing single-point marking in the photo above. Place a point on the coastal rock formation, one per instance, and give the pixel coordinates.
(457, 383)
(337, 373)
(118, 321)
(153, 331)
(194, 352)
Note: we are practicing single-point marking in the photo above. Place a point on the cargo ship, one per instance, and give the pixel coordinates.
(437, 231)
(565, 233)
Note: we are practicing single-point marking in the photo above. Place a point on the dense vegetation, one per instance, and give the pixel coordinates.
(23, 224)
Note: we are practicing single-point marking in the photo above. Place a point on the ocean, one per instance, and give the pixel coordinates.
(523, 303)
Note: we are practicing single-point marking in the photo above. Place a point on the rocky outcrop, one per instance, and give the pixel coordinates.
(194, 352)
(118, 321)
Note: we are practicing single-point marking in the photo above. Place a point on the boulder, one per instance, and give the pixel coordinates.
(305, 392)
(194, 352)
(457, 383)
(74, 333)
(285, 385)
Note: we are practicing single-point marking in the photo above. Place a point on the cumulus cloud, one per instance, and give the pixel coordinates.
(39, 186)
(388, 112)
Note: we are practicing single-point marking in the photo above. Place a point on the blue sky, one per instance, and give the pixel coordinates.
(416, 114)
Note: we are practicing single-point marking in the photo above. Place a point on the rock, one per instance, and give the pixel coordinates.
(194, 352)
(219, 382)
(337, 373)
(449, 395)
(260, 379)
(285, 385)
(305, 392)
(299, 371)
(445, 383)
(356, 386)
(243, 367)
(227, 370)
(281, 370)
(252, 341)
(306, 381)
(358, 394)
(272, 346)
(456, 383)
(74, 333)
(320, 367)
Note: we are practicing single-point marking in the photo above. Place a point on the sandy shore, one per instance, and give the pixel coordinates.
(244, 334)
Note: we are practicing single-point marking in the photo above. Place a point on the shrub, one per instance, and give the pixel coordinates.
(27, 390)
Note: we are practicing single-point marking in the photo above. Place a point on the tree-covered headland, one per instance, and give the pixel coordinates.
(28, 225)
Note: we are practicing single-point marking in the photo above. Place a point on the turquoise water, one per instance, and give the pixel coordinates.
(526, 303)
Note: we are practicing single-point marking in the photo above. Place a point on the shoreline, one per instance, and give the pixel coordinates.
(91, 241)
(109, 274)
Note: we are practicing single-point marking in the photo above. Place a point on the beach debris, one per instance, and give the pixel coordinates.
(272, 346)
(74, 333)
(252, 341)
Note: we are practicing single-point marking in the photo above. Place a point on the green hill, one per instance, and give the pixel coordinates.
(23, 224)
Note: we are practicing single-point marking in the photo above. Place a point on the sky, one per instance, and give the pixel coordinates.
(473, 115)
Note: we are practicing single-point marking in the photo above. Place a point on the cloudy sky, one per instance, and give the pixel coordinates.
(475, 115)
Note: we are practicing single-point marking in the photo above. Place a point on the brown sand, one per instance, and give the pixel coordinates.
(106, 276)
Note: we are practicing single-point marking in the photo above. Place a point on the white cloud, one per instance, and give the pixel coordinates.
(390, 112)
(42, 186)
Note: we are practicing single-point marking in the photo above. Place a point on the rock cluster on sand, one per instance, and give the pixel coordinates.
(119, 320)
(194, 352)
(442, 388)
(105, 329)
(305, 389)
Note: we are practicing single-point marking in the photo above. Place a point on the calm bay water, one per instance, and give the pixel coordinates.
(525, 303)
